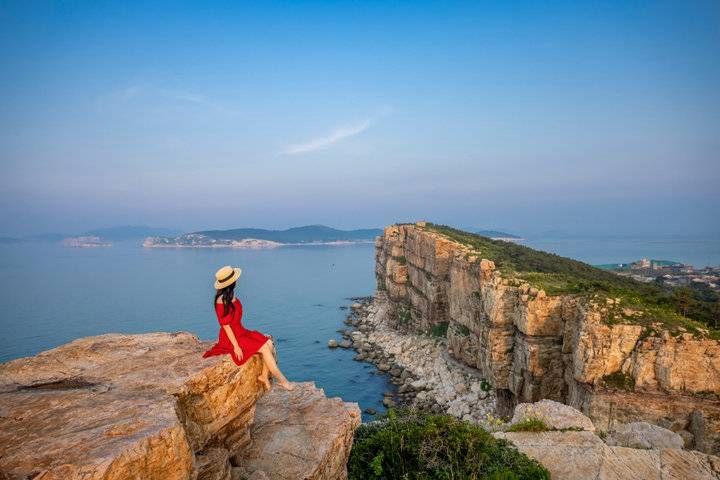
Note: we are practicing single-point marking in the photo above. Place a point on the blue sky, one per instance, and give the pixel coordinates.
(525, 116)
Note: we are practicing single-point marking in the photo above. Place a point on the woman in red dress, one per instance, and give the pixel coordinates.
(236, 340)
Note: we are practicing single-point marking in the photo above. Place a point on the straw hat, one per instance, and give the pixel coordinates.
(226, 276)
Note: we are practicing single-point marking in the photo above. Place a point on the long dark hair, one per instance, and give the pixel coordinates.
(227, 297)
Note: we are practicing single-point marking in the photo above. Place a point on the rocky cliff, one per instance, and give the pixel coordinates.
(531, 345)
(149, 407)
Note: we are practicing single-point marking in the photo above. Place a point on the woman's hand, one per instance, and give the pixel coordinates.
(238, 353)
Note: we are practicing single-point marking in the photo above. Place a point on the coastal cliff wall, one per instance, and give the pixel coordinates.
(531, 346)
(150, 407)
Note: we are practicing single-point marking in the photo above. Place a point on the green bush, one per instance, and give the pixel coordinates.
(439, 330)
(418, 446)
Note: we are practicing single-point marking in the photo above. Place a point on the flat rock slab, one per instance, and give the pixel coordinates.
(299, 435)
(580, 455)
(122, 407)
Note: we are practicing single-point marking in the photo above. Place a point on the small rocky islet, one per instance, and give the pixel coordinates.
(561, 377)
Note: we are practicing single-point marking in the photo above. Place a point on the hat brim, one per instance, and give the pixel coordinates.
(236, 274)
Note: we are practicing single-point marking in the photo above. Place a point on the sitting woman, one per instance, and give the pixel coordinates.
(236, 340)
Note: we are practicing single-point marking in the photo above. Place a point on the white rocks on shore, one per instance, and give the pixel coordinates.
(427, 377)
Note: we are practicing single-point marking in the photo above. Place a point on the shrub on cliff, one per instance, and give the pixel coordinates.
(418, 446)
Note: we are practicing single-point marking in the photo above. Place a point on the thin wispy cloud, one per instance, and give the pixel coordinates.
(337, 135)
(334, 137)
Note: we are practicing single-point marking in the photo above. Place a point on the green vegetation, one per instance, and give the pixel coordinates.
(404, 315)
(620, 381)
(485, 386)
(417, 446)
(439, 330)
(689, 309)
(461, 329)
(529, 424)
(401, 260)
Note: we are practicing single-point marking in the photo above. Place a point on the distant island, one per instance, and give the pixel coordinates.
(262, 238)
(497, 235)
(85, 242)
(104, 236)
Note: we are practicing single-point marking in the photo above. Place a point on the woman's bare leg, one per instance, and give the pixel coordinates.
(271, 365)
(263, 378)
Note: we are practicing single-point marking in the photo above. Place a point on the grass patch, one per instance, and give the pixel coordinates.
(413, 445)
(689, 309)
(529, 424)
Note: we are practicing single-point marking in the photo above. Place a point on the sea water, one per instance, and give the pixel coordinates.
(50, 295)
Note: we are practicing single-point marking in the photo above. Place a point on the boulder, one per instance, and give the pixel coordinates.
(581, 455)
(332, 343)
(299, 435)
(556, 415)
(644, 435)
(124, 406)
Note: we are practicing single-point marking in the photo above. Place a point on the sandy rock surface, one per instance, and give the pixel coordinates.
(583, 455)
(122, 406)
(644, 435)
(300, 435)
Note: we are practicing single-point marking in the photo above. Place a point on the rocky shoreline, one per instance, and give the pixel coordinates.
(567, 442)
(426, 377)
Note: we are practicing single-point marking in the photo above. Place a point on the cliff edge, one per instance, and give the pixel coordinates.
(149, 407)
(603, 356)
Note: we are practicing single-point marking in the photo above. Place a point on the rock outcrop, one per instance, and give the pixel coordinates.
(532, 346)
(644, 435)
(300, 435)
(556, 416)
(134, 407)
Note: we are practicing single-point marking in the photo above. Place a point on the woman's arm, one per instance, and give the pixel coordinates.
(231, 335)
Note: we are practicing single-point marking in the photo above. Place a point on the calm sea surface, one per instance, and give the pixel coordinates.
(50, 295)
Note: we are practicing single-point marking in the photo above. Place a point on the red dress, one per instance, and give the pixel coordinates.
(250, 341)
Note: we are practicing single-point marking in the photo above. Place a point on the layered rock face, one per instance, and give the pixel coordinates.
(129, 407)
(532, 346)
